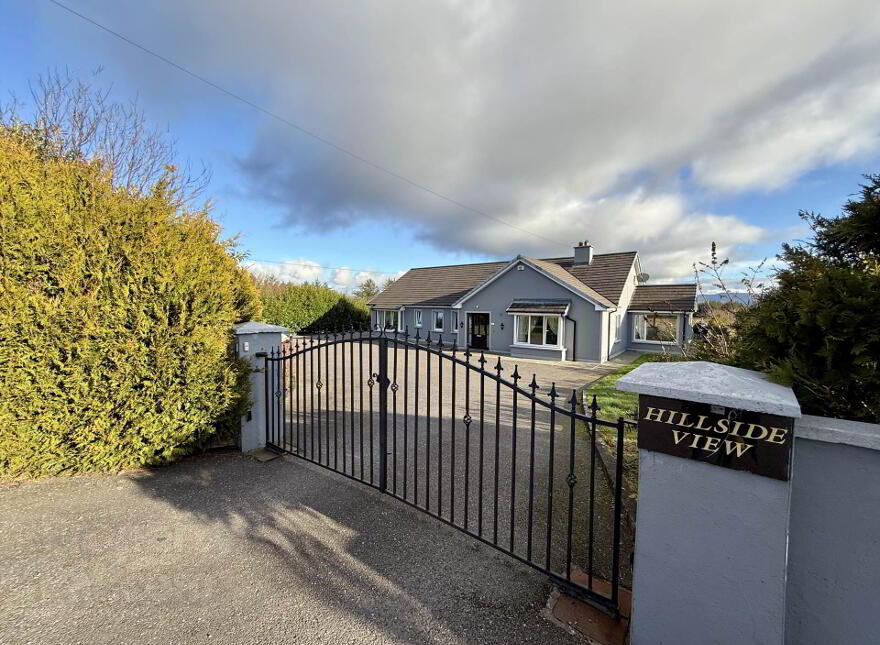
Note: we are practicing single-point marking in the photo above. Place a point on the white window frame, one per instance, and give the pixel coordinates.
(454, 321)
(381, 315)
(434, 313)
(418, 317)
(560, 330)
(616, 322)
(635, 324)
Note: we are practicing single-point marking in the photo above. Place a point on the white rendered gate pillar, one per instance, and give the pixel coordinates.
(711, 542)
(253, 338)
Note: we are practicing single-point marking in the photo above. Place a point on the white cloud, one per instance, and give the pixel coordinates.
(295, 270)
(570, 119)
(342, 277)
(300, 270)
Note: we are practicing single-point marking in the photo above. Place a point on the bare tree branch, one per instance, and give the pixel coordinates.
(79, 119)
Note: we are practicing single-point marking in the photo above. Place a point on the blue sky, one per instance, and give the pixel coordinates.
(658, 132)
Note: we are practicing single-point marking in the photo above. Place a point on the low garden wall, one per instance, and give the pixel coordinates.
(834, 533)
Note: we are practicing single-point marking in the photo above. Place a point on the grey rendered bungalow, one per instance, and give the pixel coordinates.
(589, 307)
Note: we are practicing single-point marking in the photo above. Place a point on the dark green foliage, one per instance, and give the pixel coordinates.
(311, 307)
(115, 319)
(819, 328)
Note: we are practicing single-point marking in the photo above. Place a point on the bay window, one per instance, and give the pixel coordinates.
(538, 330)
(655, 328)
(388, 319)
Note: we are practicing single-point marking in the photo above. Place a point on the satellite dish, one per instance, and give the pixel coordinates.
(643, 277)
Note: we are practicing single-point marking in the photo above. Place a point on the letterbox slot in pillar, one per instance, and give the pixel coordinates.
(711, 546)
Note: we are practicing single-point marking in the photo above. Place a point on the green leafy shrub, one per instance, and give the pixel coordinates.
(115, 316)
(311, 307)
(817, 329)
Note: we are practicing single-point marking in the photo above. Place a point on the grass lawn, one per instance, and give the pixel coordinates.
(612, 402)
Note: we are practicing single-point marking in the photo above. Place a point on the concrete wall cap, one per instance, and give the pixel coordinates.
(252, 327)
(830, 430)
(712, 383)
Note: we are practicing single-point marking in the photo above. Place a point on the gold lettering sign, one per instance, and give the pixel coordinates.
(753, 441)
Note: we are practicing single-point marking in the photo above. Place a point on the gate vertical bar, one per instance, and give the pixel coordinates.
(351, 392)
(439, 425)
(550, 475)
(516, 377)
(572, 480)
(594, 408)
(344, 417)
(405, 409)
(416, 424)
(618, 507)
(266, 385)
(383, 412)
(394, 388)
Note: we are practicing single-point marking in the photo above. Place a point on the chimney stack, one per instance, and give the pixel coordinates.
(583, 253)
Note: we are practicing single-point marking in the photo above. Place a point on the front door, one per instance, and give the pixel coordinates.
(478, 331)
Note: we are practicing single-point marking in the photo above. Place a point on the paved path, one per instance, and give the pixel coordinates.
(224, 549)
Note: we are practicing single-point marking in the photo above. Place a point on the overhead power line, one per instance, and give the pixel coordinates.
(327, 142)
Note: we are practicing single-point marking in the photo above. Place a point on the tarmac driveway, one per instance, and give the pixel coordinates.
(223, 549)
(497, 476)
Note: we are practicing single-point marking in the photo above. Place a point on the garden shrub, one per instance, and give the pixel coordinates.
(115, 319)
(312, 307)
(817, 329)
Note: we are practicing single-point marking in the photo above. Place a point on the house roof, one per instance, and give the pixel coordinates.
(561, 274)
(435, 286)
(602, 281)
(607, 273)
(664, 297)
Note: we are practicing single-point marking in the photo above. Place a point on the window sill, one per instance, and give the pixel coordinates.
(553, 348)
(656, 342)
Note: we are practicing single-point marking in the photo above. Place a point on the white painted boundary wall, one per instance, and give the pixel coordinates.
(725, 556)
(834, 545)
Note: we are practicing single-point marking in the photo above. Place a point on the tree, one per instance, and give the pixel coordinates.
(817, 328)
(366, 289)
(116, 308)
(388, 282)
(76, 119)
(311, 307)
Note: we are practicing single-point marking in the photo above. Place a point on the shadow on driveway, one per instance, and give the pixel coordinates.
(224, 549)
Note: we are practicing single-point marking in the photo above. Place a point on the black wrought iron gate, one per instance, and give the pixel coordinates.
(513, 466)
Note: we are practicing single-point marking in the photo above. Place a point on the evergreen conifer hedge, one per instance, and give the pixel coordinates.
(115, 319)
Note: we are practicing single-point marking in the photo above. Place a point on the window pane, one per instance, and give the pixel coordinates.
(661, 328)
(418, 317)
(454, 321)
(639, 327)
(522, 329)
(536, 330)
(552, 330)
(438, 320)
